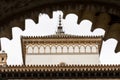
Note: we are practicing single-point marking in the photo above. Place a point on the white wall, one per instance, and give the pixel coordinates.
(66, 58)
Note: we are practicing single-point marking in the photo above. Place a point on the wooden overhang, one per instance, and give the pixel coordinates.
(63, 71)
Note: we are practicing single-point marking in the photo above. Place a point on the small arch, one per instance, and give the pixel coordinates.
(71, 49)
(82, 49)
(94, 49)
(65, 49)
(35, 49)
(76, 49)
(30, 49)
(59, 49)
(42, 49)
(53, 49)
(88, 49)
(47, 49)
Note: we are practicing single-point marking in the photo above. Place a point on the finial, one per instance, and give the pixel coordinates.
(60, 20)
(59, 29)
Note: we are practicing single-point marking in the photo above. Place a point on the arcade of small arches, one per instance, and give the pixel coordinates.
(41, 49)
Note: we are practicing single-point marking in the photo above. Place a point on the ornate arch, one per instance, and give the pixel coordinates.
(104, 14)
(29, 49)
(88, 49)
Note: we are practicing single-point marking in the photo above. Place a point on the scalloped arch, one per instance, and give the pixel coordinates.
(100, 12)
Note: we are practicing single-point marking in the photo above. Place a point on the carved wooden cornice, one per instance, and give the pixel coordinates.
(60, 71)
(60, 39)
(64, 36)
(60, 67)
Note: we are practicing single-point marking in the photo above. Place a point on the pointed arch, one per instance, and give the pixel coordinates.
(53, 49)
(82, 49)
(42, 50)
(71, 49)
(76, 49)
(88, 49)
(30, 49)
(47, 49)
(35, 49)
(94, 49)
(59, 49)
(65, 49)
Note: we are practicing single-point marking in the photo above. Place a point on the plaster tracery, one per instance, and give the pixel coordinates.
(49, 49)
(41, 49)
(82, 49)
(88, 49)
(94, 49)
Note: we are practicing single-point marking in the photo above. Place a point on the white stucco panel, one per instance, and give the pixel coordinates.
(57, 59)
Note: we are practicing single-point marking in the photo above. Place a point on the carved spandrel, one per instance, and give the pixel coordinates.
(102, 21)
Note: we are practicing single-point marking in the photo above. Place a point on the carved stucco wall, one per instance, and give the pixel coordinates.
(104, 14)
(41, 54)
